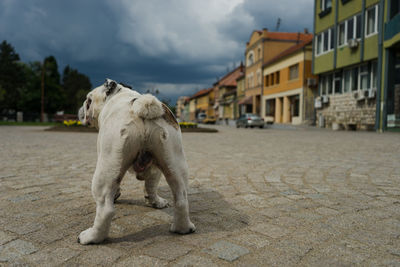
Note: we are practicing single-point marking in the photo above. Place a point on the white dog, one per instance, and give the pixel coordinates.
(139, 133)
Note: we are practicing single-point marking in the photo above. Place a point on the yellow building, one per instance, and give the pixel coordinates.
(262, 47)
(289, 86)
(202, 103)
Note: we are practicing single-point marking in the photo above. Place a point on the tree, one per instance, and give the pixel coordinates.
(54, 95)
(75, 86)
(11, 76)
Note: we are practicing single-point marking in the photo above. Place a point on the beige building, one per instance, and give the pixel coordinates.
(262, 47)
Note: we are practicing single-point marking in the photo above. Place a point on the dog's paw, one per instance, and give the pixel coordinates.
(182, 229)
(90, 236)
(158, 203)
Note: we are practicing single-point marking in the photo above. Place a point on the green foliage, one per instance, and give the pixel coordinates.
(21, 84)
(11, 76)
(75, 86)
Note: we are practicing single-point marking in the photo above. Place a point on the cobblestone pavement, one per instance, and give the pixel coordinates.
(258, 198)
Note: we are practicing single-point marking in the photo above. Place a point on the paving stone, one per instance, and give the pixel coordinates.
(141, 260)
(101, 256)
(270, 230)
(227, 251)
(16, 249)
(168, 250)
(52, 257)
(5, 237)
(23, 228)
(194, 260)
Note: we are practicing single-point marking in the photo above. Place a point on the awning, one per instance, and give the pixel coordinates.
(246, 101)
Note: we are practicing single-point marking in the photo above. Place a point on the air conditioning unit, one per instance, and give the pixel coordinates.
(355, 94)
(371, 93)
(311, 82)
(325, 99)
(318, 102)
(353, 43)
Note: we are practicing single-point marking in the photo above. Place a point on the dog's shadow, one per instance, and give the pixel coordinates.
(209, 211)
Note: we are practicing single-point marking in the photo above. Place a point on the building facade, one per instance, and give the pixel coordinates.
(388, 107)
(227, 98)
(201, 103)
(262, 47)
(181, 108)
(289, 86)
(355, 48)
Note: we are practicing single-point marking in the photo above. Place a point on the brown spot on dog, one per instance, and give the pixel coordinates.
(169, 117)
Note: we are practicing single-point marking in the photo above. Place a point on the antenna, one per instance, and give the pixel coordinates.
(278, 24)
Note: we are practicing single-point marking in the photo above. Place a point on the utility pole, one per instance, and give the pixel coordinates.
(42, 94)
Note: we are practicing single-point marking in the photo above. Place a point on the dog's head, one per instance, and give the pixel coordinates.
(94, 103)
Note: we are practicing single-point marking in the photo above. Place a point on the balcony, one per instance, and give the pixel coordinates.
(392, 27)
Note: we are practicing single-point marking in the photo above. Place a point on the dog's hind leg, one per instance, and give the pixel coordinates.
(172, 161)
(105, 185)
(151, 177)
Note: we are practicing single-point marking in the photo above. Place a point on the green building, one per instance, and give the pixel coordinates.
(357, 59)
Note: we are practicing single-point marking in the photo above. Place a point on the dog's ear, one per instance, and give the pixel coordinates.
(110, 86)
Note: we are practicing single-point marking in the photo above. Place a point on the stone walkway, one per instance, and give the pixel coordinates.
(258, 198)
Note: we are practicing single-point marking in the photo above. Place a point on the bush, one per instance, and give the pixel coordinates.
(188, 125)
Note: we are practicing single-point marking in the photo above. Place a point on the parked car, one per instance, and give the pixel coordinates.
(250, 120)
(201, 117)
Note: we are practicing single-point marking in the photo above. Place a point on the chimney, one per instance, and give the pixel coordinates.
(265, 30)
(241, 66)
(305, 30)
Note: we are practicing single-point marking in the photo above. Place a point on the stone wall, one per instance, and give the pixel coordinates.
(348, 113)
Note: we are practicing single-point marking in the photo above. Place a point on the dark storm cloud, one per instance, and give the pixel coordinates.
(177, 46)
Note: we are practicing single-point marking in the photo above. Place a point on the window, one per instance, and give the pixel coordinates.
(329, 84)
(349, 29)
(358, 26)
(250, 59)
(347, 81)
(371, 21)
(319, 44)
(373, 74)
(324, 42)
(295, 105)
(272, 79)
(354, 79)
(341, 34)
(270, 107)
(394, 8)
(293, 72)
(326, 4)
(322, 86)
(277, 77)
(258, 82)
(266, 80)
(332, 41)
(258, 53)
(338, 83)
(364, 77)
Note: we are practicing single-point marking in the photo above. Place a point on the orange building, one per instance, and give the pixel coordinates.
(289, 86)
(201, 103)
(262, 47)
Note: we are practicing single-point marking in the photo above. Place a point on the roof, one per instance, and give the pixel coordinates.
(229, 80)
(289, 51)
(282, 36)
(289, 36)
(201, 93)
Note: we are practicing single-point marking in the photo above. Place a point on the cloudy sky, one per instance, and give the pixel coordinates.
(176, 46)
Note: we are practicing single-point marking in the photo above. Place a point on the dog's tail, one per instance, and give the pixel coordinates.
(147, 107)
